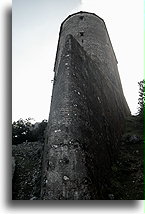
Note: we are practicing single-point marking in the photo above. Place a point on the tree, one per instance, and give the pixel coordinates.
(141, 102)
(38, 130)
(135, 123)
(141, 99)
(23, 130)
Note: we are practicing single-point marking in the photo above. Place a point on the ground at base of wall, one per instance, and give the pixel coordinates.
(27, 173)
(127, 182)
(127, 172)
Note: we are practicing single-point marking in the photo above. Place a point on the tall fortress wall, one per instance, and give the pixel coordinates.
(87, 114)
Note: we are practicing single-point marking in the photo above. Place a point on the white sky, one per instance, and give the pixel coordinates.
(36, 27)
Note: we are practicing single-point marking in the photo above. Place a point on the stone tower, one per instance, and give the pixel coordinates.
(87, 113)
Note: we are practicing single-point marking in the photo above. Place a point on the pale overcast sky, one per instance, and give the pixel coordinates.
(36, 26)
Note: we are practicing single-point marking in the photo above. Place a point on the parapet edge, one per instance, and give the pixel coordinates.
(80, 12)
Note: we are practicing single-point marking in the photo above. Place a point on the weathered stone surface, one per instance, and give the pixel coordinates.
(87, 115)
(13, 166)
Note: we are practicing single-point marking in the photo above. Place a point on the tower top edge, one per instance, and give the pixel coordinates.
(81, 13)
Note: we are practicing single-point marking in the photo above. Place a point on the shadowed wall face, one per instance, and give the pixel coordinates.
(85, 124)
(64, 161)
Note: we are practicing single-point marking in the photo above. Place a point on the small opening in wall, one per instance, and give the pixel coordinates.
(82, 41)
(81, 33)
(81, 17)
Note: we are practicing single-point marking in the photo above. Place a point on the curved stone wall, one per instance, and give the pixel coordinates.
(91, 33)
(87, 114)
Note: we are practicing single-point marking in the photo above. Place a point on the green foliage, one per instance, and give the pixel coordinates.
(134, 123)
(24, 130)
(141, 99)
(141, 102)
(21, 130)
